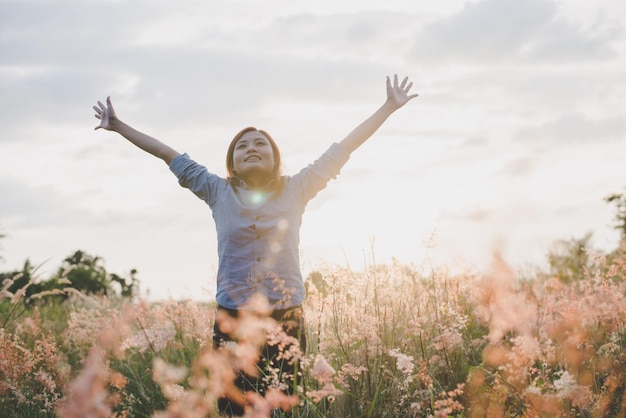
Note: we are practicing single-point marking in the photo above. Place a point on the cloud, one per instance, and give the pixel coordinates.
(477, 215)
(574, 128)
(207, 65)
(359, 36)
(32, 207)
(500, 31)
(26, 207)
(518, 167)
(474, 141)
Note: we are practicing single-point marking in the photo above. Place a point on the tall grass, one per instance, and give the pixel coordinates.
(390, 341)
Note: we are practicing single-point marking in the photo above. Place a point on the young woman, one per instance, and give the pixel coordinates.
(257, 213)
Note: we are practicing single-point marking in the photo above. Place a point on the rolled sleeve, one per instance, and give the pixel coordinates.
(338, 156)
(316, 176)
(193, 176)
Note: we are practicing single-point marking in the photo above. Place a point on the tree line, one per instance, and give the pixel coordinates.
(81, 271)
(84, 272)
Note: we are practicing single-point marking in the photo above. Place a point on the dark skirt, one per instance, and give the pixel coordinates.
(291, 321)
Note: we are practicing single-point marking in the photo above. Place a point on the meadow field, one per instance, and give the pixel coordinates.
(391, 340)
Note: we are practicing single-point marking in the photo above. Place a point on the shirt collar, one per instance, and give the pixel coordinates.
(238, 182)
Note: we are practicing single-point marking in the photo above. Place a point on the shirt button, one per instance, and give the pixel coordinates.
(258, 259)
(253, 226)
(257, 218)
(258, 237)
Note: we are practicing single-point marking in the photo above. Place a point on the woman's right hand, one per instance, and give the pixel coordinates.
(106, 114)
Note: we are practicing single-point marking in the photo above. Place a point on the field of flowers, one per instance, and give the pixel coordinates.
(390, 341)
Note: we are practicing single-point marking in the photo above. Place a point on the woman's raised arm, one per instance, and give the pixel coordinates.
(397, 96)
(110, 122)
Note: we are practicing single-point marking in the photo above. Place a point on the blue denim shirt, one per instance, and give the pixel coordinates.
(258, 234)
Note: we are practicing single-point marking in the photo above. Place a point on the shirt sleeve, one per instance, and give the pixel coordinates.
(316, 176)
(194, 177)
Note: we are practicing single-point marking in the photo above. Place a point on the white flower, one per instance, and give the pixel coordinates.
(565, 384)
(404, 363)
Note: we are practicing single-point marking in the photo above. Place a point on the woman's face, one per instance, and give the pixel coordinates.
(253, 158)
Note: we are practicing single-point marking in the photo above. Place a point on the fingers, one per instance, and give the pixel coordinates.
(403, 85)
(400, 90)
(100, 109)
(104, 113)
(407, 89)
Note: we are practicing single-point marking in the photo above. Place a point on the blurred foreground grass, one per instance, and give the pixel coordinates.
(390, 341)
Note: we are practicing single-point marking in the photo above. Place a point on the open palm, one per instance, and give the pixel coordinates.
(398, 94)
(106, 114)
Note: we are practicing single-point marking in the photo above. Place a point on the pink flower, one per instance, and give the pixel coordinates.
(328, 391)
(322, 371)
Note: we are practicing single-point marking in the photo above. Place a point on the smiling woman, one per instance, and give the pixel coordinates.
(258, 213)
(254, 155)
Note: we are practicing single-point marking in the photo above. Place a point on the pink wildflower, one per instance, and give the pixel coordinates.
(322, 371)
(328, 391)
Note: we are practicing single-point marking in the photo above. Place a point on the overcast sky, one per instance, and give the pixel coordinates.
(516, 138)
